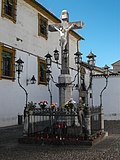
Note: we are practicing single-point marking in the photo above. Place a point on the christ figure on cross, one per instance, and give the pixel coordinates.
(64, 34)
(64, 27)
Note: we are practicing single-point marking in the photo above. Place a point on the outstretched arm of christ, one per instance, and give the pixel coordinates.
(70, 27)
(60, 31)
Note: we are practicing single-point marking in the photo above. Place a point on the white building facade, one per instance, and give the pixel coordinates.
(24, 34)
(110, 96)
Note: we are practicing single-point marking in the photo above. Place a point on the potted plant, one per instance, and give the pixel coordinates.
(31, 106)
(43, 104)
(53, 106)
(69, 105)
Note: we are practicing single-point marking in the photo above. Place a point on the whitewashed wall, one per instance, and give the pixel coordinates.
(12, 97)
(111, 96)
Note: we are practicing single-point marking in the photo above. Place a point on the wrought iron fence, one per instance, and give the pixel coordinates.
(60, 123)
(95, 113)
(49, 120)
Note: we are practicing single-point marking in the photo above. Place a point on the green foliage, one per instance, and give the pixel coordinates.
(31, 105)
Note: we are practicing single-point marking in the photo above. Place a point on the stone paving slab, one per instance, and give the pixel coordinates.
(109, 149)
(10, 149)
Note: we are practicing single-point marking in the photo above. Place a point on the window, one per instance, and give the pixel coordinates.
(7, 63)
(9, 9)
(41, 71)
(42, 26)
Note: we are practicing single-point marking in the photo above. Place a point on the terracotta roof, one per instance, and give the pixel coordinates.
(116, 63)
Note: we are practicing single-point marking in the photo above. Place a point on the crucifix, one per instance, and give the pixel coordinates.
(63, 28)
(64, 80)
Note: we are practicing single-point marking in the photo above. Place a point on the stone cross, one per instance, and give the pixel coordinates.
(63, 28)
(64, 80)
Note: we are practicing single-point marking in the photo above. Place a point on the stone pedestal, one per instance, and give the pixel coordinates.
(65, 88)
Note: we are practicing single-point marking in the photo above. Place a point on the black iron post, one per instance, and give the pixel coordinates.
(78, 61)
(91, 66)
(19, 69)
(106, 75)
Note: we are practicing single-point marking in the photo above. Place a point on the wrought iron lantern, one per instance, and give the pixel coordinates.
(31, 81)
(48, 59)
(91, 59)
(56, 55)
(78, 57)
(106, 70)
(19, 65)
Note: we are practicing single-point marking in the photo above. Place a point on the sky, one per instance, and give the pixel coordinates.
(102, 26)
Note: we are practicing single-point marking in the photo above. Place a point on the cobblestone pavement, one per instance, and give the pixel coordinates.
(10, 149)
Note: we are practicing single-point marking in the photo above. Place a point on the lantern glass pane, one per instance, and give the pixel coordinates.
(56, 56)
(76, 60)
(48, 61)
(20, 68)
(80, 59)
(16, 66)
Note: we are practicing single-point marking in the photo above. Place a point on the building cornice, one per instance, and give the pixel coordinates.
(84, 64)
(110, 75)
